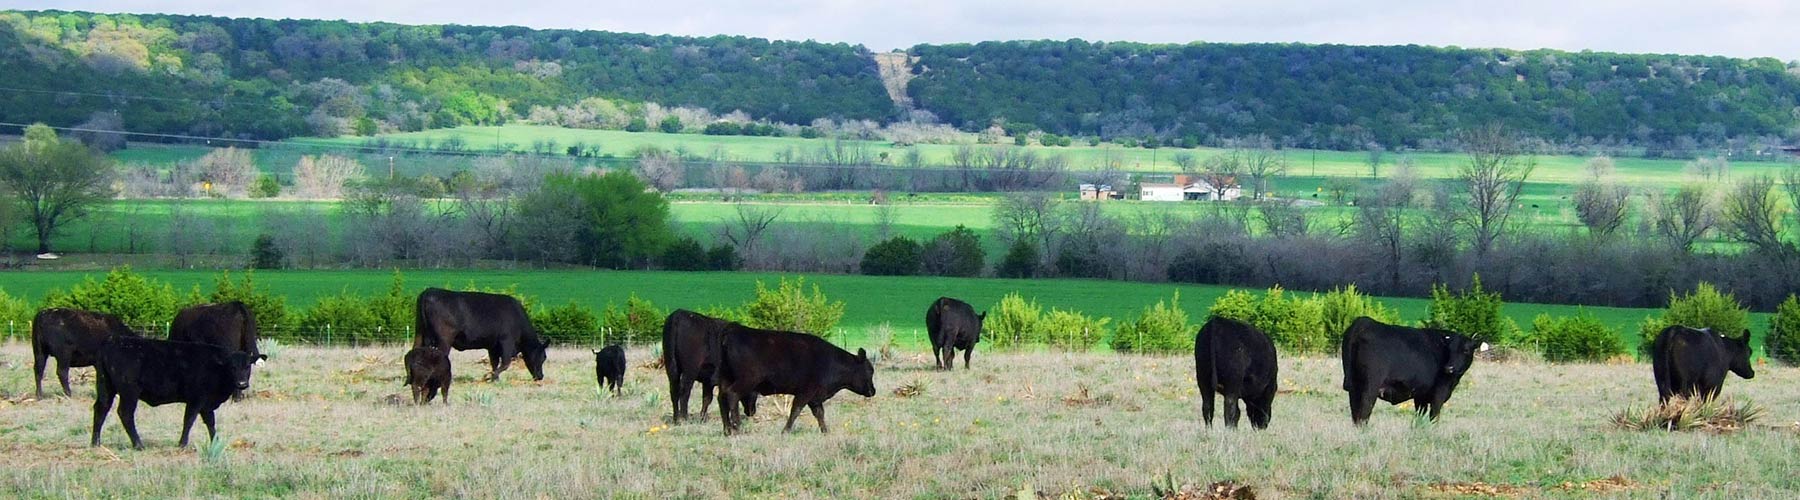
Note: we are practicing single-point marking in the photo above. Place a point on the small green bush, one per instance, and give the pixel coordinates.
(270, 310)
(1161, 328)
(723, 258)
(1577, 338)
(1344, 305)
(1012, 323)
(264, 254)
(638, 322)
(685, 254)
(138, 301)
(1071, 331)
(788, 307)
(956, 252)
(1021, 261)
(1293, 323)
(1474, 312)
(345, 317)
(15, 316)
(899, 256)
(1705, 308)
(569, 322)
(1783, 341)
(266, 187)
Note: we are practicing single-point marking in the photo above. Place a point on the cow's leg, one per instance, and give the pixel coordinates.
(726, 402)
(680, 388)
(818, 410)
(187, 423)
(445, 390)
(1362, 402)
(1664, 387)
(937, 356)
(966, 353)
(950, 357)
(1206, 404)
(1436, 407)
(706, 396)
(1231, 410)
(750, 404)
(206, 417)
(799, 403)
(62, 375)
(41, 357)
(418, 398)
(128, 417)
(493, 365)
(103, 400)
(1260, 407)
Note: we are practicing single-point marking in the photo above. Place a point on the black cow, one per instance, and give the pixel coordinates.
(953, 325)
(229, 324)
(1689, 362)
(73, 337)
(428, 372)
(609, 367)
(1237, 361)
(690, 350)
(475, 320)
(764, 362)
(1397, 363)
(159, 372)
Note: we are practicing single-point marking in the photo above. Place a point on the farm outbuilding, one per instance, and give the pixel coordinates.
(1100, 192)
(1186, 188)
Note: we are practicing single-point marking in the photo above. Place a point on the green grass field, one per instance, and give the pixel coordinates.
(336, 422)
(898, 302)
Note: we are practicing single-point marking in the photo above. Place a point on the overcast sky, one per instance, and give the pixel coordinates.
(1745, 28)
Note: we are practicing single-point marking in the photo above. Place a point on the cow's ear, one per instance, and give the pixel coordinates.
(262, 357)
(1484, 347)
(596, 351)
(982, 317)
(862, 354)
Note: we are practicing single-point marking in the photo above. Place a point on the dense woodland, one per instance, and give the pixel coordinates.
(272, 79)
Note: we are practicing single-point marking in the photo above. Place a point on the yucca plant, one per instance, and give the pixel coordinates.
(1718, 416)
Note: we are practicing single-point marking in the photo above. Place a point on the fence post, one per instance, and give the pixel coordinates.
(328, 333)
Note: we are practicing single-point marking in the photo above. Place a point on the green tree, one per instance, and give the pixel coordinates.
(55, 181)
(898, 256)
(670, 125)
(956, 252)
(619, 221)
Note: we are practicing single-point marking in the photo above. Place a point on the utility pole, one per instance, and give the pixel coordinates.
(390, 168)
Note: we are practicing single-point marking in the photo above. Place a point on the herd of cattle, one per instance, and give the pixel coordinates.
(212, 348)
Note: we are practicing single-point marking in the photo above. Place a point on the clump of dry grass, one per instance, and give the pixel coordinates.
(910, 389)
(1166, 489)
(1084, 397)
(1718, 416)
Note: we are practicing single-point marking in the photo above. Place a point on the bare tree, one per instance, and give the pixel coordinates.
(1186, 162)
(1601, 167)
(231, 171)
(323, 177)
(1790, 179)
(884, 219)
(491, 221)
(1684, 216)
(1712, 169)
(1028, 216)
(1753, 215)
(104, 131)
(1341, 189)
(1381, 221)
(1373, 158)
(1493, 177)
(745, 230)
(1260, 161)
(663, 171)
(1284, 219)
(1601, 205)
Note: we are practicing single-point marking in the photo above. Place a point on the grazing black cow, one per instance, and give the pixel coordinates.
(229, 324)
(1397, 363)
(1690, 363)
(609, 367)
(475, 320)
(428, 372)
(1237, 361)
(690, 351)
(953, 325)
(159, 372)
(764, 362)
(73, 337)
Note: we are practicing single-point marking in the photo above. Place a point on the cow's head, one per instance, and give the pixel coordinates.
(1459, 352)
(533, 352)
(238, 363)
(1739, 350)
(862, 375)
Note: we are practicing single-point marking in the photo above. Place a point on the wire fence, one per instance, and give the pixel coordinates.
(331, 335)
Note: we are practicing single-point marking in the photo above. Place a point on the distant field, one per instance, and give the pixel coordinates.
(869, 301)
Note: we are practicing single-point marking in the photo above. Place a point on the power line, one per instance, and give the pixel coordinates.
(110, 95)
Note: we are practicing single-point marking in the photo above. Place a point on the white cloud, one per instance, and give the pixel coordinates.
(1745, 28)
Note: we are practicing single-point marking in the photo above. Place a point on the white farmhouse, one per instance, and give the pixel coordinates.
(1186, 188)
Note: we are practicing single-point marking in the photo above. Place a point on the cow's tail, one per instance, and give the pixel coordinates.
(421, 326)
(1347, 346)
(37, 324)
(253, 336)
(671, 363)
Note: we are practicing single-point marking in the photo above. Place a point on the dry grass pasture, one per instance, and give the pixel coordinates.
(334, 422)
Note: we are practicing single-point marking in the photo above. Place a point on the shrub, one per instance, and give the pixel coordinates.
(1783, 340)
(1161, 328)
(1581, 337)
(638, 322)
(637, 124)
(270, 310)
(567, 322)
(898, 256)
(684, 254)
(1473, 312)
(1344, 305)
(1012, 323)
(266, 187)
(723, 258)
(394, 310)
(669, 125)
(340, 317)
(1294, 323)
(265, 254)
(788, 307)
(1705, 308)
(1717, 416)
(1071, 331)
(136, 300)
(956, 252)
(1021, 261)
(15, 315)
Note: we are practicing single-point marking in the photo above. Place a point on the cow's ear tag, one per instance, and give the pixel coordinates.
(1485, 347)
